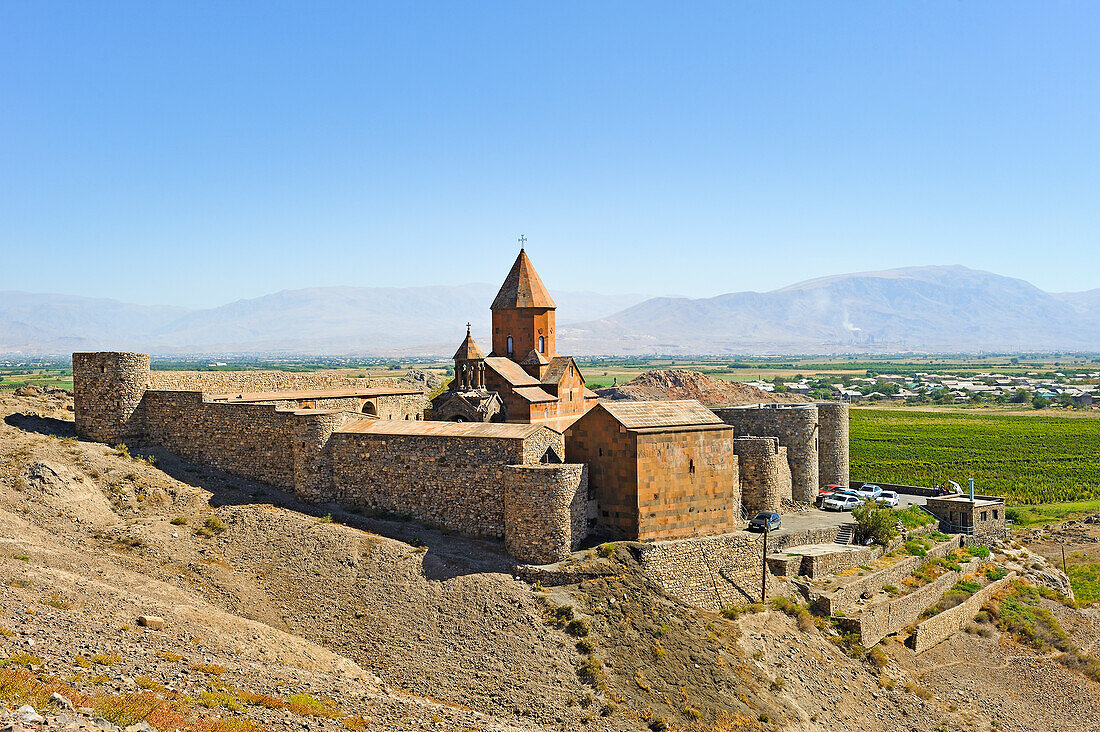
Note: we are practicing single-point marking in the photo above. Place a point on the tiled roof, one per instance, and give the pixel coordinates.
(642, 415)
(468, 351)
(534, 394)
(511, 371)
(522, 288)
(442, 429)
(534, 357)
(556, 370)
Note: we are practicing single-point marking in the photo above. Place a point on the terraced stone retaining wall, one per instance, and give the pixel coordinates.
(821, 565)
(877, 621)
(713, 572)
(844, 597)
(942, 626)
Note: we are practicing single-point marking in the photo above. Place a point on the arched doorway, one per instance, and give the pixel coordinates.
(370, 409)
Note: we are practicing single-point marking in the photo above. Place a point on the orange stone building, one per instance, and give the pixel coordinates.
(659, 470)
(523, 379)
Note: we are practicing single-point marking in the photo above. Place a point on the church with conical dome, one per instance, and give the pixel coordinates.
(523, 379)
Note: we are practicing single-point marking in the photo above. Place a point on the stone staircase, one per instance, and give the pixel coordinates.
(844, 536)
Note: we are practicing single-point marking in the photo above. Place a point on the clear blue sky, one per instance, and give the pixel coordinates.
(197, 153)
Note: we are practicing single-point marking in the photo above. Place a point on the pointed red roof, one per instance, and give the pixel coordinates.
(522, 288)
(468, 351)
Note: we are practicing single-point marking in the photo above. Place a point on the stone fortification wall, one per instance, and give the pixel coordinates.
(833, 443)
(942, 626)
(764, 473)
(545, 511)
(107, 389)
(255, 441)
(455, 483)
(311, 446)
(797, 430)
(847, 596)
(224, 382)
(713, 572)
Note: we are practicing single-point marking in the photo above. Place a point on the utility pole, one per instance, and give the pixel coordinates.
(764, 569)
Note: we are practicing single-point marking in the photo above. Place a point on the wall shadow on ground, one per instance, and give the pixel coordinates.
(446, 555)
(48, 426)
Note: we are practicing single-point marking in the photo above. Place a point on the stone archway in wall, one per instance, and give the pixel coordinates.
(370, 409)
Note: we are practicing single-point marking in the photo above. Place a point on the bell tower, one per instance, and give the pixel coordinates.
(523, 315)
(469, 365)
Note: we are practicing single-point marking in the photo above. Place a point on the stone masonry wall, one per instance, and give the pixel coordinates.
(224, 382)
(107, 389)
(848, 595)
(312, 450)
(833, 443)
(254, 441)
(821, 565)
(764, 473)
(875, 622)
(713, 572)
(545, 511)
(797, 430)
(687, 483)
(456, 483)
(943, 625)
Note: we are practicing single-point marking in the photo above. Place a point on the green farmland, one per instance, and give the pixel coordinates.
(1025, 458)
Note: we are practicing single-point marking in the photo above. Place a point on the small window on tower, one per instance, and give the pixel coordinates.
(510, 349)
(691, 467)
(542, 345)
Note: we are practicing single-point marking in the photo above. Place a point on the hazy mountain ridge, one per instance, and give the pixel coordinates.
(948, 308)
(939, 308)
(341, 320)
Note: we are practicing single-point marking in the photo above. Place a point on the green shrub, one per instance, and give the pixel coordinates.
(875, 522)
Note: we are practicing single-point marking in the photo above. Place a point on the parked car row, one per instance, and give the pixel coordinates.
(840, 498)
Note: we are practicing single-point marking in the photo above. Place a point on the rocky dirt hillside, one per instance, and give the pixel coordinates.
(666, 384)
(282, 616)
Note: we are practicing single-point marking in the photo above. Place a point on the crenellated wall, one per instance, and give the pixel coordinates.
(796, 426)
(764, 473)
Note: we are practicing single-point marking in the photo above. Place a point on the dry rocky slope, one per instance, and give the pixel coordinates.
(667, 384)
(282, 616)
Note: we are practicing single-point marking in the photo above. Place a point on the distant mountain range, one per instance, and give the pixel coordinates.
(937, 309)
(323, 320)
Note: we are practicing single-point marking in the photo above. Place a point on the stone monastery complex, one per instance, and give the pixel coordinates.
(517, 449)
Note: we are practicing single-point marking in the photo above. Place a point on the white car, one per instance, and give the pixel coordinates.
(869, 491)
(841, 502)
(888, 498)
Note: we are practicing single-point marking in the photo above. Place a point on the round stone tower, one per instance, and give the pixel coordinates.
(833, 446)
(796, 427)
(107, 392)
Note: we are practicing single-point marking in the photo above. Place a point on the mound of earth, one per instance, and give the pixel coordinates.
(668, 384)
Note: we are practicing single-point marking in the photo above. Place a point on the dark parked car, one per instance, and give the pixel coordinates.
(764, 521)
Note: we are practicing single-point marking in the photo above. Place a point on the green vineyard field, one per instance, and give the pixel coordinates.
(1027, 459)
